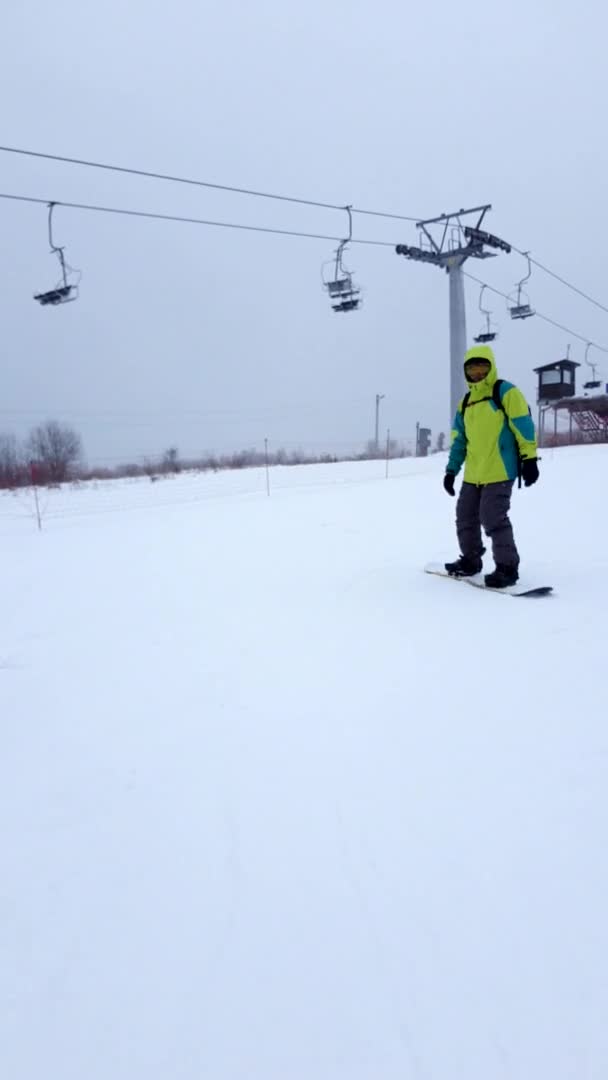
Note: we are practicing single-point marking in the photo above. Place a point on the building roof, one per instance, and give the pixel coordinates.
(571, 364)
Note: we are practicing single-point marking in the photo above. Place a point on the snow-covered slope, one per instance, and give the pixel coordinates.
(276, 805)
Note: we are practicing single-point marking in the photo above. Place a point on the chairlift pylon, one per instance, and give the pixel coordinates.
(344, 295)
(487, 335)
(519, 307)
(67, 289)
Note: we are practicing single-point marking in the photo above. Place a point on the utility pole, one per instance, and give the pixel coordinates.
(34, 478)
(379, 398)
(267, 470)
(447, 242)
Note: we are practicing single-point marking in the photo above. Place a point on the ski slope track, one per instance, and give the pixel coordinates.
(277, 805)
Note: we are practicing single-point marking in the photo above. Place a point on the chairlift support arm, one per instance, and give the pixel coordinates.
(55, 248)
(527, 276)
(347, 240)
(589, 363)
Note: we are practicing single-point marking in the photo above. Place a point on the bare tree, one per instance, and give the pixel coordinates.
(151, 470)
(11, 466)
(440, 442)
(56, 448)
(171, 462)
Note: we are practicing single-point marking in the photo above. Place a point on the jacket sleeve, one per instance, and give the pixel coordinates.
(520, 421)
(458, 449)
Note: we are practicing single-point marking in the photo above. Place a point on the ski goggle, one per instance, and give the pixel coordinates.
(477, 367)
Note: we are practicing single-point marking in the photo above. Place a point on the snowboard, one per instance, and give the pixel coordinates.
(522, 588)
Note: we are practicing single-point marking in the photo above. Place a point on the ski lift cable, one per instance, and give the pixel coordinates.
(545, 318)
(263, 195)
(562, 280)
(192, 221)
(198, 183)
(257, 228)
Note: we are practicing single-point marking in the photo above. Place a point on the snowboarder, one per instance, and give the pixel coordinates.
(494, 438)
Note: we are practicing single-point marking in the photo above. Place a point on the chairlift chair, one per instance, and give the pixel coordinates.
(519, 307)
(594, 383)
(341, 287)
(487, 335)
(60, 295)
(343, 293)
(521, 311)
(349, 302)
(67, 289)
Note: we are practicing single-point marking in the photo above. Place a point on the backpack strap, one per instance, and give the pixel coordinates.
(497, 397)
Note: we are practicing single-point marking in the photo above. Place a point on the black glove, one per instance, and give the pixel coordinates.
(448, 482)
(529, 471)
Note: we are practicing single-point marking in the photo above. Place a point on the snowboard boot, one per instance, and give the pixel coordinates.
(465, 566)
(502, 577)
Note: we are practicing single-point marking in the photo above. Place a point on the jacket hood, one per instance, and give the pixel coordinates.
(483, 388)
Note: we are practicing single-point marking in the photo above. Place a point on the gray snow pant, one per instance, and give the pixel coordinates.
(486, 505)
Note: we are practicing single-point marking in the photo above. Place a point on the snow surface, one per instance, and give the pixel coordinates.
(276, 805)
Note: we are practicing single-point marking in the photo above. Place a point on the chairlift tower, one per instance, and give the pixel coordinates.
(447, 242)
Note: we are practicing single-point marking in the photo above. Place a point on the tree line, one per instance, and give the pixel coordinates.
(51, 454)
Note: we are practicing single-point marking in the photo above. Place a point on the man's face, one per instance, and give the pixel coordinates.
(476, 370)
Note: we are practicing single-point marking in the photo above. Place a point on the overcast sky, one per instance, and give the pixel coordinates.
(206, 338)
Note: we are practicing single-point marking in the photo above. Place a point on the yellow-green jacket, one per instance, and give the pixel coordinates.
(485, 440)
